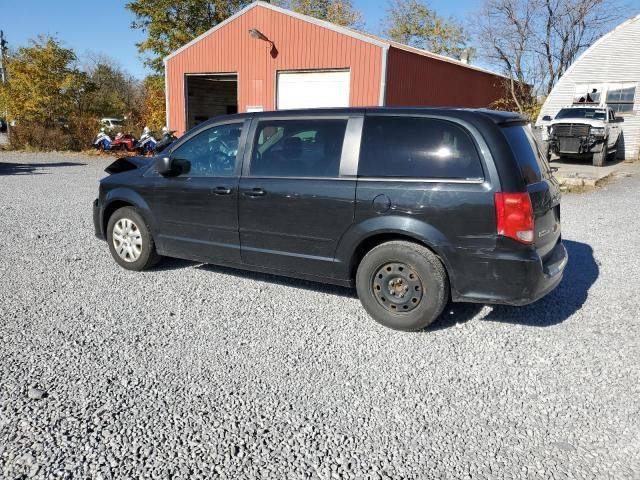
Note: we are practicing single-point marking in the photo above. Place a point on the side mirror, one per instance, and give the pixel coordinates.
(164, 166)
(546, 118)
(619, 119)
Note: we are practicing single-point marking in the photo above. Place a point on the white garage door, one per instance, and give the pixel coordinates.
(313, 89)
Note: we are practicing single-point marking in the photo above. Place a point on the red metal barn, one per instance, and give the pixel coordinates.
(267, 58)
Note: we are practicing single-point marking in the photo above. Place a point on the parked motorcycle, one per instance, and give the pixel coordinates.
(147, 142)
(102, 140)
(124, 142)
(167, 139)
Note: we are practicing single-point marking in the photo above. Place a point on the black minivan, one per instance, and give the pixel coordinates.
(414, 207)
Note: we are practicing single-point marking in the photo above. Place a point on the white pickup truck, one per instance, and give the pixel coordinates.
(581, 132)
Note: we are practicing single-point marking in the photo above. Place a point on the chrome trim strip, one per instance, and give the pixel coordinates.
(264, 177)
(277, 115)
(473, 181)
(376, 179)
(383, 76)
(351, 147)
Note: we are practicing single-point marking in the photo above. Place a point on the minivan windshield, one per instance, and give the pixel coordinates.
(528, 154)
(595, 113)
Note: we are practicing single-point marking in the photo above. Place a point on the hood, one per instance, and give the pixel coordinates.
(125, 164)
(580, 121)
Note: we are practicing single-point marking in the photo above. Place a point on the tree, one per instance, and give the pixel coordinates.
(570, 26)
(533, 42)
(114, 92)
(45, 94)
(153, 107)
(45, 84)
(340, 12)
(412, 22)
(169, 24)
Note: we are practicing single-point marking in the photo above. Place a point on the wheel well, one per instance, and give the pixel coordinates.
(110, 209)
(371, 242)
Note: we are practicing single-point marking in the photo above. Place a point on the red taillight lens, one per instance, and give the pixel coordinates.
(514, 216)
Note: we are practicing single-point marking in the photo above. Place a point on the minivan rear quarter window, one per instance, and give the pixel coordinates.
(527, 153)
(417, 147)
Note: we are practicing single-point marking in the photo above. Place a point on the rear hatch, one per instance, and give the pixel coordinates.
(543, 188)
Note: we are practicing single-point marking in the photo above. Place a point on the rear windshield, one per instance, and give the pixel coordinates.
(595, 113)
(528, 154)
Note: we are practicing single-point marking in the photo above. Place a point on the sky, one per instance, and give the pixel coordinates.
(90, 26)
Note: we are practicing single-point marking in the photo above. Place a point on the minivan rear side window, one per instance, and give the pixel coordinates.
(298, 148)
(417, 147)
(528, 154)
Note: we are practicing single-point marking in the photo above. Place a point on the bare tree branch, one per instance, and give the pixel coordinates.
(534, 42)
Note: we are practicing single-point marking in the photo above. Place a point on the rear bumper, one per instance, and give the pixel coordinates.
(97, 219)
(510, 278)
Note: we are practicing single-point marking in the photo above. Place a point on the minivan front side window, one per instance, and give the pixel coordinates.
(298, 148)
(211, 153)
(417, 147)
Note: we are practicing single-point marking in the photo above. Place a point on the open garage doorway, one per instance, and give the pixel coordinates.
(209, 96)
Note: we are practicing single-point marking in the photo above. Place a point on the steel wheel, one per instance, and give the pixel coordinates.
(397, 287)
(127, 240)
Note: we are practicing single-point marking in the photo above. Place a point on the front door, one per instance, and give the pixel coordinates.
(197, 206)
(294, 205)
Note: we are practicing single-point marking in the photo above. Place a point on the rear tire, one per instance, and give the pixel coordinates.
(600, 158)
(402, 285)
(130, 241)
(614, 152)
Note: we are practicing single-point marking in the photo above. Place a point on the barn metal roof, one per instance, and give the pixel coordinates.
(365, 37)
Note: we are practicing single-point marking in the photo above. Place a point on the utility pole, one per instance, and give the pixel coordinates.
(3, 50)
(3, 69)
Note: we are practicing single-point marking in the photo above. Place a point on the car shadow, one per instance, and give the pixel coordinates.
(580, 274)
(285, 281)
(168, 264)
(455, 314)
(571, 162)
(7, 168)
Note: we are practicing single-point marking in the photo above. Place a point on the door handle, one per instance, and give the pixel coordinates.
(222, 190)
(255, 192)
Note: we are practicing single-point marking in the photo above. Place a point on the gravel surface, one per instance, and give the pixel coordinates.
(194, 371)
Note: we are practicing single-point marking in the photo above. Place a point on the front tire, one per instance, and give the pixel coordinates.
(600, 158)
(402, 285)
(130, 241)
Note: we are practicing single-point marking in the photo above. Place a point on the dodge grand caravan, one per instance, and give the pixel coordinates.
(413, 207)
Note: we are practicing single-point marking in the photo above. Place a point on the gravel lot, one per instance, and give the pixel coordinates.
(193, 371)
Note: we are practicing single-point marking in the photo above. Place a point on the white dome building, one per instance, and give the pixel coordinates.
(607, 73)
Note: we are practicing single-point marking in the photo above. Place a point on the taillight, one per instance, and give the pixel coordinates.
(514, 216)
